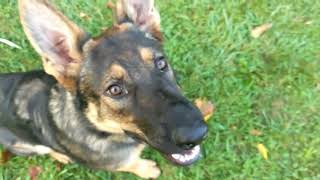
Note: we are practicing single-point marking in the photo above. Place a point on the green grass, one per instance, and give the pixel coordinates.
(271, 84)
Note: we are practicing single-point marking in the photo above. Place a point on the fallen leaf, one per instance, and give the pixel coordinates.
(34, 172)
(318, 86)
(103, 29)
(263, 151)
(234, 128)
(9, 43)
(84, 16)
(110, 5)
(206, 108)
(5, 156)
(58, 166)
(259, 30)
(255, 132)
(308, 22)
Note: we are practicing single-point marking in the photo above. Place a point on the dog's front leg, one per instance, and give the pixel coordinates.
(40, 150)
(19, 146)
(142, 167)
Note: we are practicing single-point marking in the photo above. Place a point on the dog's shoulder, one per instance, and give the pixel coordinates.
(19, 90)
(13, 81)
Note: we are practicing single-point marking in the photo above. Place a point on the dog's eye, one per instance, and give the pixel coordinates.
(115, 90)
(161, 63)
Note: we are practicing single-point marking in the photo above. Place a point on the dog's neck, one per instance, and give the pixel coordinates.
(66, 109)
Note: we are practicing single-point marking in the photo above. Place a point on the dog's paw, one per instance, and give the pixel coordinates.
(64, 159)
(147, 169)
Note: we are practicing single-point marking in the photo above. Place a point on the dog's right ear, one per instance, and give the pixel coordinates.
(55, 38)
(142, 13)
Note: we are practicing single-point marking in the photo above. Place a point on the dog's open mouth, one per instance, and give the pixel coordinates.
(187, 157)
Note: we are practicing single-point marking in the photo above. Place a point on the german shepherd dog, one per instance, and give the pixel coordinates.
(99, 100)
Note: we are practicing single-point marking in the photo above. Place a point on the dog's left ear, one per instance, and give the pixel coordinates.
(142, 13)
(55, 38)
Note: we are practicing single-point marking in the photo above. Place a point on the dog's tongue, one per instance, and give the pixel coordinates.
(186, 158)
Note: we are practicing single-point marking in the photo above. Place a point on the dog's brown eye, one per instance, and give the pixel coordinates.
(115, 90)
(161, 64)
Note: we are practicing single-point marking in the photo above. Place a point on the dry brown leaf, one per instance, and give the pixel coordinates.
(255, 132)
(110, 5)
(206, 108)
(34, 172)
(58, 166)
(5, 157)
(259, 30)
(263, 151)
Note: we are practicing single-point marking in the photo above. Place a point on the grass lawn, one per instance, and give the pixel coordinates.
(270, 84)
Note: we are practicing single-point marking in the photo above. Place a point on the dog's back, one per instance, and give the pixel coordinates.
(22, 94)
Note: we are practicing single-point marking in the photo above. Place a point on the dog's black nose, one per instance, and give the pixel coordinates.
(188, 137)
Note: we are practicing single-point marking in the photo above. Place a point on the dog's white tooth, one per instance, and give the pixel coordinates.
(182, 158)
(186, 157)
(189, 157)
(195, 154)
(192, 155)
(176, 156)
(197, 148)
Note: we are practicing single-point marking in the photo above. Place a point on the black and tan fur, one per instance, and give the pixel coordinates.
(73, 110)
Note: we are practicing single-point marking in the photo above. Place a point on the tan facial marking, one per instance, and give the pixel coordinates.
(146, 55)
(92, 113)
(117, 71)
(109, 124)
(131, 127)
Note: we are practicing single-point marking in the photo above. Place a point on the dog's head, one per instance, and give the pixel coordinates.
(123, 76)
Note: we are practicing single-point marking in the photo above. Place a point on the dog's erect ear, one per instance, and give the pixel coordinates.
(142, 13)
(55, 38)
